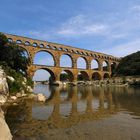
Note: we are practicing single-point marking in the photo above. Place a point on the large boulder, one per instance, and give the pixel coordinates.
(41, 97)
(4, 90)
(5, 133)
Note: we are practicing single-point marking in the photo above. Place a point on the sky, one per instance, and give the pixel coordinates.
(108, 26)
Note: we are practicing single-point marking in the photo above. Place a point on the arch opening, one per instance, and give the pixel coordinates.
(105, 66)
(81, 63)
(96, 76)
(44, 58)
(44, 75)
(65, 61)
(66, 76)
(83, 76)
(106, 75)
(95, 64)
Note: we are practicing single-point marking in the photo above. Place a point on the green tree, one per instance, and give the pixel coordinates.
(13, 55)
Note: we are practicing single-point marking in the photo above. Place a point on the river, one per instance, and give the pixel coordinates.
(78, 113)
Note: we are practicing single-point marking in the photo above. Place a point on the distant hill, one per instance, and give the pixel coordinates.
(129, 65)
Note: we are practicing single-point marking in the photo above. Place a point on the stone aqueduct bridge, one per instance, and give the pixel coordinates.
(33, 46)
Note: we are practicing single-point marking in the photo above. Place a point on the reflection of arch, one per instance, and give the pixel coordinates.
(83, 76)
(95, 64)
(106, 75)
(52, 75)
(50, 60)
(69, 76)
(82, 62)
(105, 65)
(66, 60)
(96, 76)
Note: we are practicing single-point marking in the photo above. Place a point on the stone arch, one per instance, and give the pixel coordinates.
(52, 75)
(41, 45)
(96, 76)
(10, 40)
(95, 65)
(27, 43)
(68, 77)
(65, 59)
(83, 76)
(82, 63)
(105, 65)
(49, 59)
(35, 44)
(106, 75)
(18, 41)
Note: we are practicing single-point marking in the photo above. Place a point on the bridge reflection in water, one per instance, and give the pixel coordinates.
(64, 108)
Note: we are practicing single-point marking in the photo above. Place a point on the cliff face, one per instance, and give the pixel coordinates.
(4, 91)
(4, 129)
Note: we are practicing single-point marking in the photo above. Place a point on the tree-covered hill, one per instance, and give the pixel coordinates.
(129, 65)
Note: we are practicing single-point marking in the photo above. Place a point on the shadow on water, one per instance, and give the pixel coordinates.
(69, 106)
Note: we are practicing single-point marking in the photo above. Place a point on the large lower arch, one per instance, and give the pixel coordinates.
(44, 58)
(66, 75)
(96, 76)
(44, 75)
(106, 75)
(83, 76)
(105, 66)
(82, 63)
(66, 60)
(95, 64)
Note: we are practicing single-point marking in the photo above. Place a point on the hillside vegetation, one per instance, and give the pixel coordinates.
(129, 65)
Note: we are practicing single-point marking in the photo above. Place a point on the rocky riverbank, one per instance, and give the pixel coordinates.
(5, 133)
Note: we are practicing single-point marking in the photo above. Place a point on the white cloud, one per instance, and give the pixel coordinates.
(124, 49)
(81, 25)
(135, 8)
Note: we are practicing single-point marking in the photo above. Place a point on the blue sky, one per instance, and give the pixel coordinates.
(109, 26)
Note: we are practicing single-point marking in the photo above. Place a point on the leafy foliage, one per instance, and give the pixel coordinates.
(13, 55)
(15, 63)
(129, 65)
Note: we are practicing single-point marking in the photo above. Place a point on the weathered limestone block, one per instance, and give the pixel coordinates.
(5, 133)
(4, 90)
(41, 97)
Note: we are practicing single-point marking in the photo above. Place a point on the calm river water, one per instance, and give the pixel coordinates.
(78, 113)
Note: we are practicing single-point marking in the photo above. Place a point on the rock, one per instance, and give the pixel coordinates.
(24, 80)
(11, 78)
(23, 95)
(13, 97)
(18, 95)
(32, 96)
(41, 97)
(29, 89)
(4, 90)
(2, 99)
(22, 92)
(5, 133)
